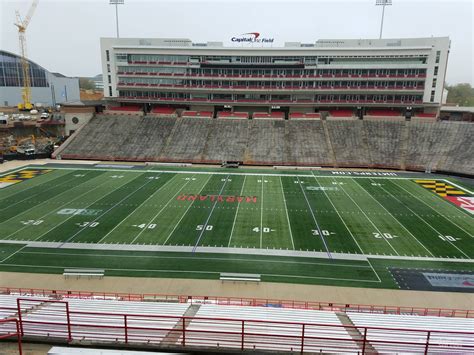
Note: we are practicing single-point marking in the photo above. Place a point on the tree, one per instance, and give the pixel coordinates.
(86, 84)
(461, 94)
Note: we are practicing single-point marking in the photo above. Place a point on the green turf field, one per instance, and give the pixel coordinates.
(356, 226)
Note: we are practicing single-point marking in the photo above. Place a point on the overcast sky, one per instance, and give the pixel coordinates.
(63, 35)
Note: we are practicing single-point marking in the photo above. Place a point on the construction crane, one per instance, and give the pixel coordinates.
(25, 66)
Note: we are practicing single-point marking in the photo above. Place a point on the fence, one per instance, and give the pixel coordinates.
(242, 301)
(53, 320)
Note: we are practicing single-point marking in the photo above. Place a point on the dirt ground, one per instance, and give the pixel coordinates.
(266, 290)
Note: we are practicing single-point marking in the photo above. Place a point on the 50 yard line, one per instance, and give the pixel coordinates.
(210, 214)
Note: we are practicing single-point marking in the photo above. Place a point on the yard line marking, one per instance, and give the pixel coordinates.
(161, 210)
(185, 212)
(459, 187)
(315, 221)
(210, 214)
(16, 252)
(237, 212)
(28, 188)
(422, 219)
(41, 203)
(90, 204)
(261, 215)
(61, 206)
(248, 173)
(371, 222)
(286, 210)
(345, 225)
(400, 223)
(107, 211)
(453, 222)
(136, 208)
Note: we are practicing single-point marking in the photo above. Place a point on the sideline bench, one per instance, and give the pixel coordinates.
(89, 273)
(240, 277)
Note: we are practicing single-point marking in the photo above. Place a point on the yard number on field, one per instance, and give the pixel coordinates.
(88, 224)
(448, 238)
(200, 227)
(264, 229)
(384, 235)
(32, 222)
(145, 226)
(324, 232)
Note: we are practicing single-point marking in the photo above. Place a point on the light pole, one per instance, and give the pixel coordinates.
(116, 3)
(382, 3)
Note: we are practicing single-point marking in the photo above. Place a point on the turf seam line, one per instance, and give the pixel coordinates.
(185, 212)
(340, 217)
(366, 216)
(135, 209)
(107, 211)
(60, 207)
(209, 217)
(161, 210)
(286, 211)
(428, 224)
(439, 213)
(315, 220)
(237, 212)
(45, 201)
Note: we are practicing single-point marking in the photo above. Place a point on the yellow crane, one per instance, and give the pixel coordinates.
(25, 66)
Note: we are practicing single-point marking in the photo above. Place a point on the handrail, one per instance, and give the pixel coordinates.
(264, 334)
(10, 334)
(243, 301)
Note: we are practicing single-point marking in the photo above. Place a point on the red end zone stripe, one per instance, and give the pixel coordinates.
(466, 203)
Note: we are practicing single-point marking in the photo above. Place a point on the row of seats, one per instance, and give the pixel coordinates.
(445, 146)
(235, 327)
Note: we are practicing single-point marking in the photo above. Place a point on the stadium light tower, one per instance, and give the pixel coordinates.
(382, 3)
(116, 3)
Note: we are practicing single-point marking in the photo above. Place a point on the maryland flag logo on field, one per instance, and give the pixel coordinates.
(460, 198)
(441, 188)
(20, 176)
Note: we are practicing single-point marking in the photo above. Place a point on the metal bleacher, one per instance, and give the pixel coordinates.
(448, 334)
(276, 329)
(205, 324)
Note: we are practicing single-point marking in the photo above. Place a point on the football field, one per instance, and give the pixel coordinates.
(299, 227)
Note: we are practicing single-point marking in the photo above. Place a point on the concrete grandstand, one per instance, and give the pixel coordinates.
(421, 146)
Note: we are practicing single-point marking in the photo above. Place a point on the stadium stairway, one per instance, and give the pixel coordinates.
(442, 146)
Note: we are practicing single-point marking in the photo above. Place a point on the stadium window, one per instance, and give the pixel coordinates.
(110, 90)
(435, 70)
(107, 54)
(110, 79)
(434, 82)
(108, 68)
(438, 54)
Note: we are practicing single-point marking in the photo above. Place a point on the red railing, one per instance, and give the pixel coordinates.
(9, 333)
(241, 301)
(62, 323)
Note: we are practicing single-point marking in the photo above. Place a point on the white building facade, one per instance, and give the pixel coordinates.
(307, 77)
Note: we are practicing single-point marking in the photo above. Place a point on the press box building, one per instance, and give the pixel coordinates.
(298, 77)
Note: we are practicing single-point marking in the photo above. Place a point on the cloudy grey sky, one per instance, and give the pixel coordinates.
(63, 35)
